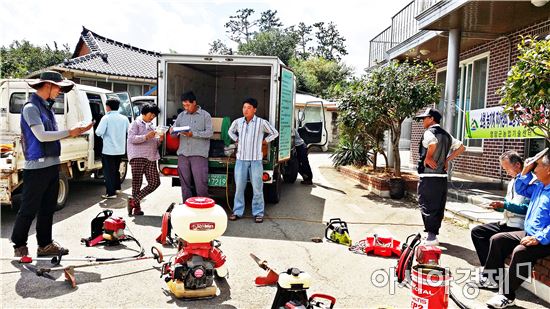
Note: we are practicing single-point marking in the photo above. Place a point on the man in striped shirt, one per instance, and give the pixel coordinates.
(250, 132)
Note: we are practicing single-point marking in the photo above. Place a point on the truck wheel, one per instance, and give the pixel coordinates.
(63, 191)
(123, 170)
(272, 192)
(290, 170)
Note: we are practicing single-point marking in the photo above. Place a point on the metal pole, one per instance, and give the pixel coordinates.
(451, 84)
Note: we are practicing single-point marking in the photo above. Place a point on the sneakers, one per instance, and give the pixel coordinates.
(500, 301)
(484, 283)
(52, 249)
(21, 251)
(433, 242)
(108, 196)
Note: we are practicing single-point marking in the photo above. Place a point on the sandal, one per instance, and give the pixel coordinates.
(234, 217)
(259, 219)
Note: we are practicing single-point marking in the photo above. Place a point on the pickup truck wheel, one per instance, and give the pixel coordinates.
(63, 191)
(272, 192)
(290, 170)
(123, 170)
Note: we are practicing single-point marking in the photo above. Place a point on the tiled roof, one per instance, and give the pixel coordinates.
(114, 58)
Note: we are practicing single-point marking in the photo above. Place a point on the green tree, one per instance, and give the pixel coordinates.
(398, 91)
(319, 76)
(360, 129)
(303, 32)
(330, 44)
(269, 20)
(240, 27)
(275, 42)
(21, 58)
(217, 47)
(526, 91)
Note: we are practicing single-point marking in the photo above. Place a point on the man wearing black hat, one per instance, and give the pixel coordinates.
(41, 147)
(434, 157)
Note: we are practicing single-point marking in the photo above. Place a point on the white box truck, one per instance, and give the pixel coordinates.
(221, 83)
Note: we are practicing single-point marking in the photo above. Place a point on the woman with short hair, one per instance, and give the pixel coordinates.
(143, 142)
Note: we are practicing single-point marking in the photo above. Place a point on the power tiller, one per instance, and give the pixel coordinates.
(191, 273)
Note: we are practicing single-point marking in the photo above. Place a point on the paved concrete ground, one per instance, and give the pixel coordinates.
(283, 240)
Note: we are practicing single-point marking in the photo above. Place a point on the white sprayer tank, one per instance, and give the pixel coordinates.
(199, 220)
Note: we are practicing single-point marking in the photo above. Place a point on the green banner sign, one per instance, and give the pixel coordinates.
(286, 113)
(493, 122)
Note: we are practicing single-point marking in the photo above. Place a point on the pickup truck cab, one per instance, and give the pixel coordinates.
(80, 155)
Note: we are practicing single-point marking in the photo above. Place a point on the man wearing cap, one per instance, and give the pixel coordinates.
(434, 157)
(250, 132)
(41, 147)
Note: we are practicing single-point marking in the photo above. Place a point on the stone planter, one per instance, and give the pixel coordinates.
(376, 184)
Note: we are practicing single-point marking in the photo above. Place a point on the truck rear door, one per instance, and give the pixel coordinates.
(287, 96)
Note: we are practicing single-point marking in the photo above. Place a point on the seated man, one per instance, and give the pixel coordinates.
(528, 245)
(514, 208)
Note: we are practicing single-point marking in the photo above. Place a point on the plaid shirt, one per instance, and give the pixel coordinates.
(138, 145)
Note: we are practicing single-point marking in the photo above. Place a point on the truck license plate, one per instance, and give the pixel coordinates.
(217, 180)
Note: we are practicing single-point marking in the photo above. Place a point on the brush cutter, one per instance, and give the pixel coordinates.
(272, 276)
(337, 232)
(69, 270)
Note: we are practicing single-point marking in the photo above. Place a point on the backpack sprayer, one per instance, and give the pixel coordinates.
(430, 283)
(337, 232)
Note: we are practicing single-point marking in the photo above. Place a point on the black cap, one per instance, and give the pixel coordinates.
(430, 112)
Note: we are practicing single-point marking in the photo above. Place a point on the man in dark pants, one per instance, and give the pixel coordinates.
(303, 162)
(113, 128)
(41, 147)
(525, 246)
(514, 209)
(434, 157)
(194, 146)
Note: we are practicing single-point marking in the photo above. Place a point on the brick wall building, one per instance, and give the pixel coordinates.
(501, 54)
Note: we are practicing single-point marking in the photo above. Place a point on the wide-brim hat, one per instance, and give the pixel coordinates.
(53, 78)
(430, 112)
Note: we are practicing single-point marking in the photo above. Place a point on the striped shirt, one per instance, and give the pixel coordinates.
(250, 135)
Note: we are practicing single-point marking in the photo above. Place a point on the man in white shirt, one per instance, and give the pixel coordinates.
(437, 148)
(250, 134)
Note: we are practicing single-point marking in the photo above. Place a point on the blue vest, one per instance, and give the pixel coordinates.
(32, 147)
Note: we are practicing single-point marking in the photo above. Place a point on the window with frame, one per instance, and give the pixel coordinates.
(18, 100)
(471, 95)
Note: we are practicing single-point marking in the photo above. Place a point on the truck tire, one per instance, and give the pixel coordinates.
(272, 192)
(123, 170)
(290, 170)
(63, 191)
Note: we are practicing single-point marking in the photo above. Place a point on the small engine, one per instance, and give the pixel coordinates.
(106, 229)
(196, 273)
(113, 228)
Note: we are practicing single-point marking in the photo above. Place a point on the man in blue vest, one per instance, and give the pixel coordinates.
(40, 140)
(437, 148)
